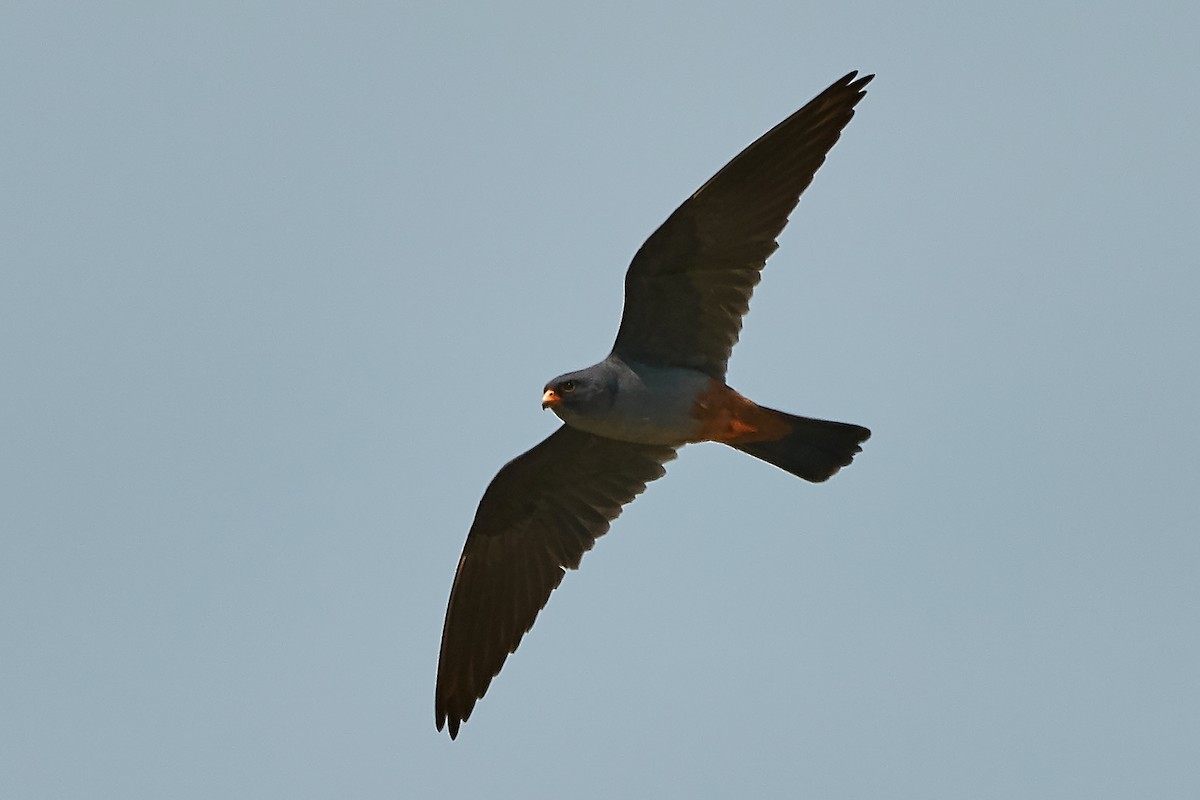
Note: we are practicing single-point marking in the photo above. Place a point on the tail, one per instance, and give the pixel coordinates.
(813, 449)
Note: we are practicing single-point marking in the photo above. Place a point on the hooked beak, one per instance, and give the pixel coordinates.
(550, 399)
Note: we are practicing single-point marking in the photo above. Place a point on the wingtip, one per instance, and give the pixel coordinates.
(440, 719)
(852, 80)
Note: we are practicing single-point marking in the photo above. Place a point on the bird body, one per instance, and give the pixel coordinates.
(662, 387)
(630, 402)
(643, 404)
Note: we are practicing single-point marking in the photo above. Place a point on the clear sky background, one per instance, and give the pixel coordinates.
(280, 285)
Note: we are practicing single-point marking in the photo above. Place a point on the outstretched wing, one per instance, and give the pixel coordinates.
(539, 515)
(690, 283)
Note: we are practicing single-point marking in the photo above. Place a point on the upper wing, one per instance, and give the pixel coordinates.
(539, 515)
(690, 283)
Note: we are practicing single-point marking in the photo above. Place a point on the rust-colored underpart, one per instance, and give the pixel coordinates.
(725, 416)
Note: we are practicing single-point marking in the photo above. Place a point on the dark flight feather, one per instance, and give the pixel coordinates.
(689, 285)
(539, 515)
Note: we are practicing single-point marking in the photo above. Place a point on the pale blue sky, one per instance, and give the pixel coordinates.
(279, 289)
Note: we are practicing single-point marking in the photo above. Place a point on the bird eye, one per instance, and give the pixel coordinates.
(566, 387)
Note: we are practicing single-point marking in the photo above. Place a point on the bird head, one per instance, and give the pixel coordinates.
(581, 392)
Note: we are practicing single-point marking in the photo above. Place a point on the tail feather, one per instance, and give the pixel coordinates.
(813, 450)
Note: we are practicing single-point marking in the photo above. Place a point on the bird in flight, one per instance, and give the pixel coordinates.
(661, 387)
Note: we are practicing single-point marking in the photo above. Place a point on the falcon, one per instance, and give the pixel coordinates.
(661, 387)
